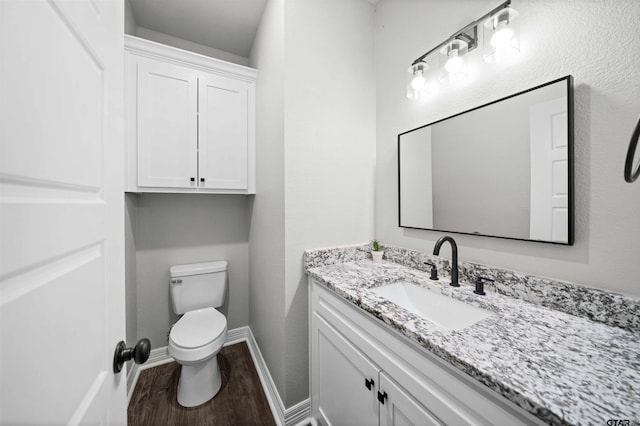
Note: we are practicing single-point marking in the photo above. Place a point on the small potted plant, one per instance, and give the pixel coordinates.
(376, 251)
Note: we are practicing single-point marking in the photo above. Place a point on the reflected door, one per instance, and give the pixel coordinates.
(549, 171)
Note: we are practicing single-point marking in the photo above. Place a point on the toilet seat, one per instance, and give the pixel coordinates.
(197, 335)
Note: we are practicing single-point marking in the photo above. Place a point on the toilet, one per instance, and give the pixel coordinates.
(197, 289)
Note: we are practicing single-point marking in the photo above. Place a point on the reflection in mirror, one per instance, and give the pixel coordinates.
(503, 169)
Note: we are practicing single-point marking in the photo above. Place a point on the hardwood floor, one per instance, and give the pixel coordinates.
(241, 400)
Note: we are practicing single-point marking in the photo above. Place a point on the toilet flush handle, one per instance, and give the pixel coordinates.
(139, 353)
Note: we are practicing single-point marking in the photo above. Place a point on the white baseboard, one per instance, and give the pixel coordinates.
(157, 357)
(298, 415)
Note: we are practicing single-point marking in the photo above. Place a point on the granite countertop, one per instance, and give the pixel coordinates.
(562, 368)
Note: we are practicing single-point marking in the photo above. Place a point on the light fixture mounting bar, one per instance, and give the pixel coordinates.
(468, 33)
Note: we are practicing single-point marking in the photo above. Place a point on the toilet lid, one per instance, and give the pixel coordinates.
(198, 328)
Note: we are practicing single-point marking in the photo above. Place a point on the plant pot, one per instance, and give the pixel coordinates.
(377, 255)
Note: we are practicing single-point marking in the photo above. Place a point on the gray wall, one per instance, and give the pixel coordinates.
(174, 229)
(316, 159)
(190, 46)
(129, 19)
(267, 236)
(131, 288)
(131, 28)
(607, 101)
(329, 149)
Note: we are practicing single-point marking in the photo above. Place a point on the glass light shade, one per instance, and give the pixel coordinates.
(502, 36)
(453, 61)
(417, 85)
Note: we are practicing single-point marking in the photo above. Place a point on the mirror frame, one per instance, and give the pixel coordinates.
(570, 124)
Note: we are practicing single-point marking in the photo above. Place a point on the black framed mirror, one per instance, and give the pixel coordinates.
(503, 169)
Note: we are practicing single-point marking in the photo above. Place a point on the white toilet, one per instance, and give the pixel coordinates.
(195, 340)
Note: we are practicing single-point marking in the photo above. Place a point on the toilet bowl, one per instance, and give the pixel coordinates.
(195, 340)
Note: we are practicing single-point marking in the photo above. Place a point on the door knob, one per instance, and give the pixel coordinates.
(139, 353)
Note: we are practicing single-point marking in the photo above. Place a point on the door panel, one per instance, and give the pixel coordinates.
(61, 212)
(223, 132)
(167, 124)
(343, 397)
(401, 409)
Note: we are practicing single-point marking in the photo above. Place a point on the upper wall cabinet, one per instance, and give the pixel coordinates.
(190, 122)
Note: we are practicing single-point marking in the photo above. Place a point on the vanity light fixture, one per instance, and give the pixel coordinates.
(501, 40)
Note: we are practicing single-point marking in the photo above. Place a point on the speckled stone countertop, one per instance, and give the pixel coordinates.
(564, 369)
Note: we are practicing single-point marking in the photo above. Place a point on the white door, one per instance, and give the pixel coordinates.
(223, 132)
(549, 171)
(398, 408)
(347, 380)
(167, 125)
(61, 212)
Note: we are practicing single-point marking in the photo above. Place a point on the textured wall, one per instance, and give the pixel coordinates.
(266, 235)
(315, 170)
(593, 41)
(329, 149)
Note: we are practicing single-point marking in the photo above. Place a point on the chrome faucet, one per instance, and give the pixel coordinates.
(454, 257)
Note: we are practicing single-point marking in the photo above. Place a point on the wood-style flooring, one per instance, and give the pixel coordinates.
(241, 400)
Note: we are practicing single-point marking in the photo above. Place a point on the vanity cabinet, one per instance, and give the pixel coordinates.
(365, 373)
(190, 122)
(352, 390)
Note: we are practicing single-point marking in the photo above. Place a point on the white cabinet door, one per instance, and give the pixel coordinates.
(223, 132)
(343, 396)
(61, 202)
(167, 120)
(398, 408)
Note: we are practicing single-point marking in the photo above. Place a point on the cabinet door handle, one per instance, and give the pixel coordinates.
(192, 179)
(369, 383)
(382, 397)
(201, 179)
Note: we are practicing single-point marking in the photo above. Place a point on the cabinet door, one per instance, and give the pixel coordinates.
(343, 396)
(223, 132)
(400, 409)
(167, 124)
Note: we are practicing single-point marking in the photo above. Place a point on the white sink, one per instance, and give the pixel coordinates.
(442, 310)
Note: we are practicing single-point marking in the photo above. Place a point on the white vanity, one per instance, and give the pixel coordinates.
(375, 362)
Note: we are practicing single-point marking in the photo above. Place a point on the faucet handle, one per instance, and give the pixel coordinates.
(480, 284)
(434, 270)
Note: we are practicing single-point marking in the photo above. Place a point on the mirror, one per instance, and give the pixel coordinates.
(504, 169)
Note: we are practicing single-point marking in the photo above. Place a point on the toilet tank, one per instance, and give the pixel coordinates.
(198, 285)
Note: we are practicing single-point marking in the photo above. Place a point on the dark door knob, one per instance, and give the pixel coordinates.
(139, 353)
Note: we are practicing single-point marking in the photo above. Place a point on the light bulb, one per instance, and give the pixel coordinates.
(454, 65)
(501, 38)
(418, 81)
(417, 85)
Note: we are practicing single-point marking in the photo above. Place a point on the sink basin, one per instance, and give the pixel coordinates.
(442, 310)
